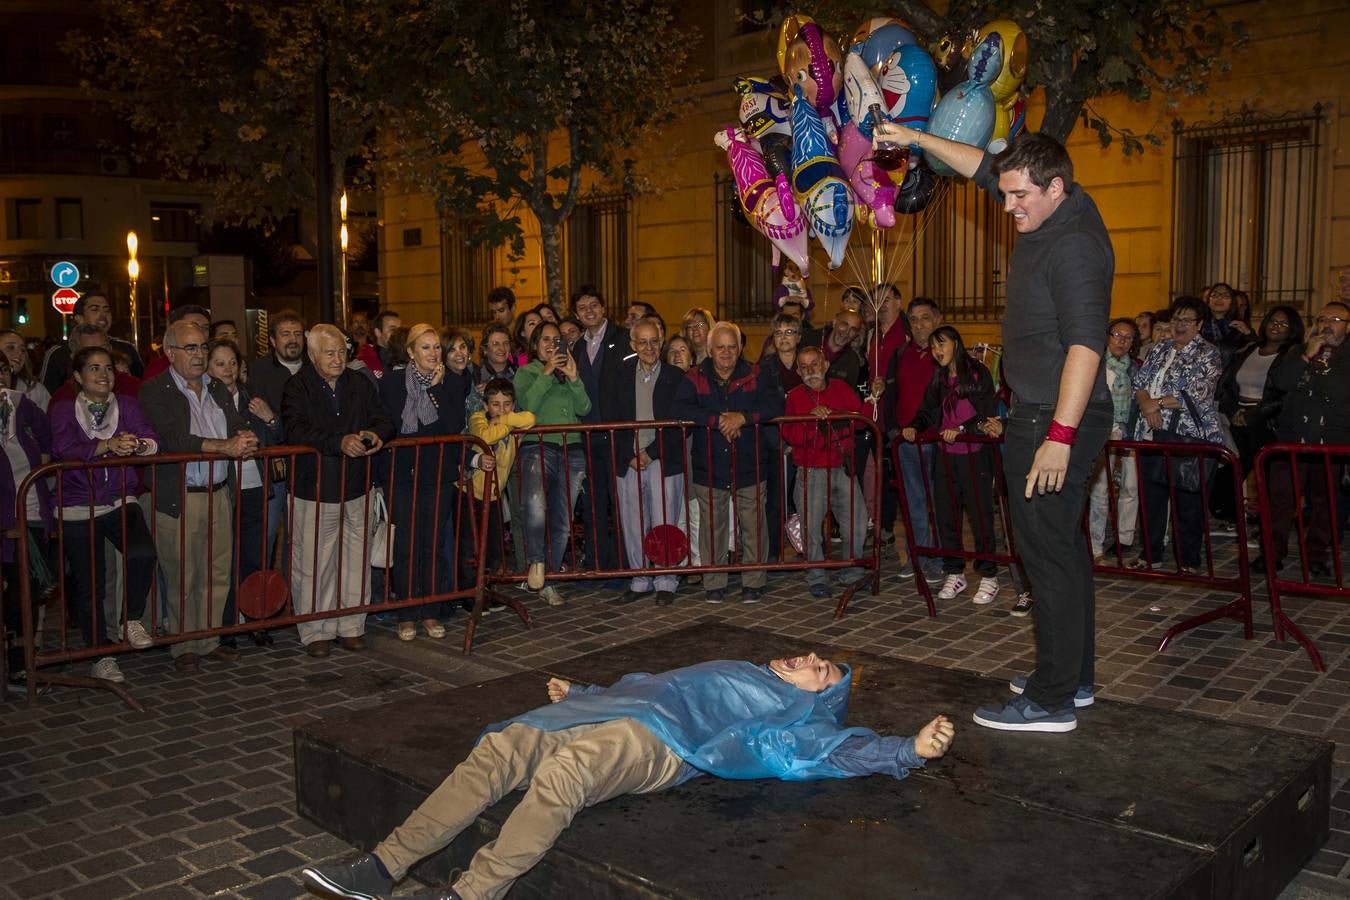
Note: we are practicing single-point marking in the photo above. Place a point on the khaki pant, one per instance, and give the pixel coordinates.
(203, 565)
(566, 772)
(754, 533)
(321, 587)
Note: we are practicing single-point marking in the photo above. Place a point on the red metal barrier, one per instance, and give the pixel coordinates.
(1300, 488)
(597, 442)
(1168, 456)
(87, 523)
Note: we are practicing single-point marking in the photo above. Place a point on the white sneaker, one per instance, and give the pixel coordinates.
(534, 576)
(954, 585)
(106, 669)
(138, 636)
(551, 595)
(986, 592)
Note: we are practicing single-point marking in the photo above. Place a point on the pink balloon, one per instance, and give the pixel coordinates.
(873, 188)
(761, 198)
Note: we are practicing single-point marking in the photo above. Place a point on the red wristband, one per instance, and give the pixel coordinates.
(1061, 433)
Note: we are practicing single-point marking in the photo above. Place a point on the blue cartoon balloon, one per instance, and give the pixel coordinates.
(966, 114)
(877, 39)
(818, 181)
(908, 85)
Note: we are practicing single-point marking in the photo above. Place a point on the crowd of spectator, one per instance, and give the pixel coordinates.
(736, 481)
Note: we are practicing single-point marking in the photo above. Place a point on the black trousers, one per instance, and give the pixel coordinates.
(14, 598)
(492, 548)
(1312, 490)
(1189, 528)
(86, 584)
(421, 514)
(603, 543)
(249, 550)
(964, 484)
(1049, 536)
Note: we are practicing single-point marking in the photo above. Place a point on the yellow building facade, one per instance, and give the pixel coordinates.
(1263, 150)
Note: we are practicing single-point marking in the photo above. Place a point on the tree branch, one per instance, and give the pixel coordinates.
(922, 17)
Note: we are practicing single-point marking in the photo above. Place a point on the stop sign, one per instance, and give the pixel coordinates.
(63, 300)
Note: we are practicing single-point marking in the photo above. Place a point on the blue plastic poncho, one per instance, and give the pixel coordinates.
(730, 718)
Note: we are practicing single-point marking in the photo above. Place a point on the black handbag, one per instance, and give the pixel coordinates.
(1189, 470)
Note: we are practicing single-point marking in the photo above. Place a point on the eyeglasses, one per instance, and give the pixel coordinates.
(189, 348)
(1278, 323)
(786, 332)
(1122, 334)
(652, 342)
(1184, 320)
(695, 326)
(1329, 320)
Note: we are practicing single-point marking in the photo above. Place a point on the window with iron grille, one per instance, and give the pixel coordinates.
(1244, 206)
(598, 244)
(467, 273)
(744, 260)
(961, 254)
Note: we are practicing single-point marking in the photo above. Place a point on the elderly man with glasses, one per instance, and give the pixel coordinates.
(194, 529)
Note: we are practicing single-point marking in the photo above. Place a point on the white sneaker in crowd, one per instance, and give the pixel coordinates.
(986, 592)
(138, 636)
(954, 585)
(106, 669)
(551, 595)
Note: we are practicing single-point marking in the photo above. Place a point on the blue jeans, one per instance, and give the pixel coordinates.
(916, 469)
(549, 493)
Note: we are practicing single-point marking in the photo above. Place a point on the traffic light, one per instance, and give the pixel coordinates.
(21, 311)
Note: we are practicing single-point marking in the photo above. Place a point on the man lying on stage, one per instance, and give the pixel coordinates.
(732, 719)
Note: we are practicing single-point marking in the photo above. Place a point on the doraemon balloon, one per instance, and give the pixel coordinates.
(810, 59)
(967, 113)
(818, 182)
(877, 39)
(761, 198)
(908, 85)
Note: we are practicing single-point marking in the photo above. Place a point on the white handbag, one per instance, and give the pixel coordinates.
(381, 534)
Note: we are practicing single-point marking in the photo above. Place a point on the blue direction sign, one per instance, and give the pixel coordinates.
(64, 274)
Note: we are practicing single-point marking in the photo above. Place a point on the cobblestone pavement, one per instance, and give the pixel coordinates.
(194, 797)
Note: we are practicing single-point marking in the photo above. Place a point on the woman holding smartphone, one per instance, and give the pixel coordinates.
(552, 466)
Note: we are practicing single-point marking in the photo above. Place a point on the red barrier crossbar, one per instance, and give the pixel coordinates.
(945, 464)
(1300, 487)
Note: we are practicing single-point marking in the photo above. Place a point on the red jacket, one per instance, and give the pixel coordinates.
(821, 445)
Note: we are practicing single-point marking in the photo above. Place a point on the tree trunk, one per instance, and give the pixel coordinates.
(1061, 115)
(550, 237)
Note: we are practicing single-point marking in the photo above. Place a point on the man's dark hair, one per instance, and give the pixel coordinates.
(221, 323)
(78, 309)
(923, 301)
(649, 310)
(786, 319)
(1194, 304)
(189, 309)
(377, 323)
(286, 315)
(502, 295)
(1043, 158)
(887, 286)
(499, 386)
(586, 290)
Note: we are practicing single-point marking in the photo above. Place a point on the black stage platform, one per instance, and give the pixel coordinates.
(1136, 803)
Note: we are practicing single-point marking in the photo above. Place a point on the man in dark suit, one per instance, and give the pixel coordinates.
(267, 379)
(598, 352)
(650, 463)
(194, 526)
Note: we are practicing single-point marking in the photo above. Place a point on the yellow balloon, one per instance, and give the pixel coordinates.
(1014, 57)
(787, 33)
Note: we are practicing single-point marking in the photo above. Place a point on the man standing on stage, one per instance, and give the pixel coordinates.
(1059, 301)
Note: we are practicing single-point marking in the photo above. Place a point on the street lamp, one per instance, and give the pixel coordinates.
(342, 234)
(133, 273)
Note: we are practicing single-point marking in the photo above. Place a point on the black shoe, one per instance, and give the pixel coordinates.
(1320, 570)
(1259, 564)
(631, 596)
(359, 880)
(230, 641)
(665, 598)
(717, 596)
(261, 638)
(751, 595)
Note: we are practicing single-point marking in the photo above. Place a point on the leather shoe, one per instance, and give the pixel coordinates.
(261, 638)
(188, 662)
(665, 598)
(319, 648)
(353, 643)
(228, 641)
(227, 652)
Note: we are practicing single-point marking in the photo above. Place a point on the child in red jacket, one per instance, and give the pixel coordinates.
(819, 449)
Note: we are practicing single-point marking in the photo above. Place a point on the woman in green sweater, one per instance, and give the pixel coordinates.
(552, 466)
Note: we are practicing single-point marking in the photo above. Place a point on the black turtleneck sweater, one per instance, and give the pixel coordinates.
(1059, 294)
